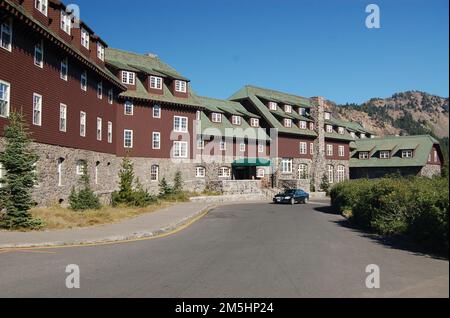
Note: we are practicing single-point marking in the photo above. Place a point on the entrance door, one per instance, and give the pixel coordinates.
(244, 173)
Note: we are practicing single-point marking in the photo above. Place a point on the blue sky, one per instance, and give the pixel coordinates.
(305, 47)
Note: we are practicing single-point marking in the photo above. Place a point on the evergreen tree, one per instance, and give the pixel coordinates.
(178, 183)
(165, 189)
(325, 184)
(19, 161)
(126, 176)
(85, 199)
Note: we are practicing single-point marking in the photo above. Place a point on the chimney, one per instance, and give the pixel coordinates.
(319, 159)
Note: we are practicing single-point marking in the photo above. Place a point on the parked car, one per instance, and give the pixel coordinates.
(292, 196)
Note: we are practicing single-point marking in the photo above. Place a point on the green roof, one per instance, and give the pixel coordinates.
(150, 65)
(252, 162)
(272, 95)
(421, 144)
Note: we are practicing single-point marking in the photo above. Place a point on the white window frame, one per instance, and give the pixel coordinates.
(303, 171)
(200, 172)
(111, 96)
(364, 155)
(273, 106)
(341, 151)
(242, 147)
(288, 109)
(303, 148)
(385, 154)
(287, 165)
(156, 82)
(64, 69)
(100, 90)
(353, 135)
(39, 51)
(180, 149)
(327, 116)
(254, 122)
(60, 171)
(62, 117)
(154, 173)
(237, 120)
(340, 173)
(37, 109)
(330, 150)
(200, 143)
(6, 35)
(216, 117)
(330, 172)
(288, 123)
(198, 115)
(224, 172)
(128, 108)
(178, 125)
(85, 38)
(83, 125)
(84, 81)
(100, 51)
(2, 174)
(311, 148)
(180, 86)
(261, 148)
(223, 145)
(302, 111)
(5, 99)
(66, 22)
(329, 129)
(99, 129)
(302, 124)
(128, 133)
(80, 165)
(110, 132)
(156, 112)
(436, 156)
(260, 173)
(311, 126)
(128, 78)
(41, 6)
(156, 140)
(407, 154)
(341, 130)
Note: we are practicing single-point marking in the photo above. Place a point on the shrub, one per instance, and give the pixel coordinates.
(85, 198)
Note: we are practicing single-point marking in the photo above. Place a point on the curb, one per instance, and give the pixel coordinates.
(126, 238)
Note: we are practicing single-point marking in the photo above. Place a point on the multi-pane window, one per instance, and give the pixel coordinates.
(200, 143)
(128, 78)
(261, 148)
(223, 145)
(37, 110)
(180, 86)
(311, 126)
(254, 122)
(110, 132)
(302, 124)
(341, 151)
(111, 96)
(327, 116)
(363, 136)
(237, 120)
(200, 172)
(180, 149)
(436, 156)
(128, 108)
(340, 173)
(39, 54)
(353, 135)
(364, 155)
(4, 99)
(156, 111)
(156, 140)
(341, 130)
(330, 170)
(154, 173)
(303, 148)
(100, 51)
(302, 111)
(273, 106)
(2, 174)
(288, 109)
(60, 171)
(216, 117)
(81, 167)
(99, 129)
(64, 69)
(82, 124)
(198, 115)
(42, 6)
(224, 172)
(303, 171)
(62, 117)
(83, 81)
(288, 123)
(156, 82)
(329, 129)
(330, 150)
(6, 35)
(180, 124)
(260, 173)
(242, 147)
(85, 38)
(66, 22)
(100, 90)
(286, 165)
(311, 148)
(128, 138)
(407, 154)
(385, 154)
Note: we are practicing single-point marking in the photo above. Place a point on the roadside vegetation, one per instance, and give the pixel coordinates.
(415, 208)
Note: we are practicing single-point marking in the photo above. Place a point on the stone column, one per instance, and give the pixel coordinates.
(319, 161)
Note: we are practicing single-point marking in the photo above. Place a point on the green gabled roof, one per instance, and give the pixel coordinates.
(421, 144)
(225, 106)
(351, 126)
(346, 136)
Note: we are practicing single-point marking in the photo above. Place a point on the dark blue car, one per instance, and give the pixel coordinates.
(292, 196)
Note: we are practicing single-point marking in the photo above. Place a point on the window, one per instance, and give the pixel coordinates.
(341, 151)
(302, 124)
(6, 35)
(60, 171)
(180, 124)
(42, 6)
(66, 22)
(407, 154)
(329, 129)
(156, 111)
(62, 117)
(128, 139)
(156, 140)
(100, 51)
(2, 174)
(385, 154)
(128, 108)
(364, 155)
(303, 171)
(223, 145)
(97, 164)
(340, 173)
(99, 129)
(180, 86)
(302, 111)
(100, 90)
(288, 123)
(4, 99)
(37, 110)
(83, 81)
(261, 148)
(200, 172)
(330, 150)
(353, 135)
(81, 167)
(436, 156)
(242, 147)
(110, 132)
(128, 78)
(224, 172)
(180, 149)
(111, 96)
(39, 54)
(64, 69)
(156, 82)
(311, 148)
(341, 130)
(288, 109)
(273, 106)
(363, 136)
(254, 122)
(311, 126)
(154, 173)
(199, 115)
(260, 173)
(303, 148)
(286, 166)
(216, 117)
(200, 143)
(82, 124)
(327, 116)
(85, 38)
(330, 170)
(237, 120)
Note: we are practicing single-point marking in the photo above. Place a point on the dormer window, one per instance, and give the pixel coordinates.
(216, 117)
(302, 124)
(156, 82)
(128, 78)
(407, 154)
(311, 126)
(288, 123)
(353, 135)
(273, 106)
(66, 22)
(363, 136)
(42, 6)
(237, 120)
(364, 155)
(385, 154)
(327, 116)
(85, 38)
(180, 86)
(329, 129)
(302, 111)
(101, 52)
(254, 122)
(288, 109)
(341, 130)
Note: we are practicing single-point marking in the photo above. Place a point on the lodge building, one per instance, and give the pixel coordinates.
(87, 103)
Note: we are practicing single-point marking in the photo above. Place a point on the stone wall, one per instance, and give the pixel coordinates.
(233, 187)
(431, 171)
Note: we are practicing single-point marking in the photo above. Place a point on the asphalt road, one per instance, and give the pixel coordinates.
(253, 250)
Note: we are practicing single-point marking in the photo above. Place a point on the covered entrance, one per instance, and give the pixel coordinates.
(247, 169)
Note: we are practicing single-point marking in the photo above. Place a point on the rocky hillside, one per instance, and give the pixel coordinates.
(408, 113)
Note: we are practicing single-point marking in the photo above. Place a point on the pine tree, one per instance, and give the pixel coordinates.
(178, 183)
(85, 199)
(325, 184)
(19, 161)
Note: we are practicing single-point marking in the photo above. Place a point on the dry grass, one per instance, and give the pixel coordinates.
(57, 218)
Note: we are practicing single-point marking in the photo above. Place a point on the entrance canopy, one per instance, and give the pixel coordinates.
(252, 162)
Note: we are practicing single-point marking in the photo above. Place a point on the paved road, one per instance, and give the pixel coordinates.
(254, 250)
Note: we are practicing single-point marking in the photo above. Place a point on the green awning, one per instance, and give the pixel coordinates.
(252, 162)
